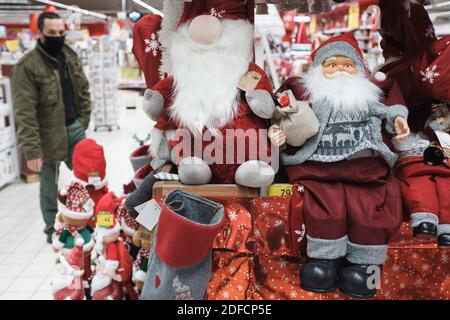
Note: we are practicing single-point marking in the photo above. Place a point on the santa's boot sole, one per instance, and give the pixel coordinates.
(315, 290)
(357, 296)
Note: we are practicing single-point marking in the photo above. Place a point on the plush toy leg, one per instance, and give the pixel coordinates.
(194, 171)
(255, 174)
(180, 261)
(261, 103)
(141, 195)
(153, 104)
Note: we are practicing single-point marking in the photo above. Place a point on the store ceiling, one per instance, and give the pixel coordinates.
(18, 11)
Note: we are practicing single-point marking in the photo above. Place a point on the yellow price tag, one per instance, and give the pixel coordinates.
(105, 219)
(353, 16)
(279, 190)
(313, 25)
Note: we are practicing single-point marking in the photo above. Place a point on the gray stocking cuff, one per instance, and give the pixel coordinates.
(443, 228)
(366, 254)
(327, 249)
(420, 217)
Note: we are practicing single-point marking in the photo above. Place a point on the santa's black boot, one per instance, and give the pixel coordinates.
(320, 275)
(426, 230)
(444, 240)
(354, 281)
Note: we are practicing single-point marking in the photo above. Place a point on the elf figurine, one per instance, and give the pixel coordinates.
(143, 239)
(68, 283)
(352, 203)
(424, 171)
(114, 264)
(129, 228)
(89, 169)
(75, 210)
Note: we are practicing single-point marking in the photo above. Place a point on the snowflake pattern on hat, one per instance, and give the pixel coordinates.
(430, 74)
(152, 44)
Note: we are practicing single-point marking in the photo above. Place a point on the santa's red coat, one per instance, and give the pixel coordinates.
(74, 292)
(245, 119)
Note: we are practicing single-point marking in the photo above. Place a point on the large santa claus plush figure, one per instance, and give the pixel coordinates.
(352, 203)
(213, 90)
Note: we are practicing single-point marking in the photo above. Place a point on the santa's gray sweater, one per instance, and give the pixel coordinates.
(377, 113)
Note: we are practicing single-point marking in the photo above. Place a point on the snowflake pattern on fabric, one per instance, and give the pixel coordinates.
(300, 233)
(256, 272)
(217, 14)
(430, 74)
(430, 33)
(152, 44)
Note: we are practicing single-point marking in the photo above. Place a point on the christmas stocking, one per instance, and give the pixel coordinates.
(180, 261)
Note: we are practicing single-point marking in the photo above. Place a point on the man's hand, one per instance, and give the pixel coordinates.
(277, 136)
(401, 128)
(35, 165)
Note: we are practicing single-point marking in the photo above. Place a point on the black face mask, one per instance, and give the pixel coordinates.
(54, 45)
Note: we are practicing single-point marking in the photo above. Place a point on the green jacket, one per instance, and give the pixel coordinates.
(39, 107)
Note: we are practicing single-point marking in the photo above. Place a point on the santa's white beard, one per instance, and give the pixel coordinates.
(61, 282)
(343, 92)
(206, 76)
(99, 282)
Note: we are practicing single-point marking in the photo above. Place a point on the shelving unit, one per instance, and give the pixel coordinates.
(103, 73)
(9, 167)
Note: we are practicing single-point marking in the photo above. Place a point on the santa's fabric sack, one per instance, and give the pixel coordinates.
(180, 261)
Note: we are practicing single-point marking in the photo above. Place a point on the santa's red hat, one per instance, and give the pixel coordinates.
(107, 207)
(342, 45)
(89, 164)
(147, 47)
(73, 260)
(78, 204)
(222, 9)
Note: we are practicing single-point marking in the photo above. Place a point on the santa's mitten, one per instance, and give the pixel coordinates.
(261, 102)
(255, 174)
(140, 157)
(180, 261)
(194, 171)
(141, 195)
(153, 104)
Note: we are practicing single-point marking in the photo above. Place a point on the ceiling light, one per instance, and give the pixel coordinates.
(148, 7)
(74, 9)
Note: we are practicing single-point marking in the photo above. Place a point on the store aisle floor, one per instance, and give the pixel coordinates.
(27, 262)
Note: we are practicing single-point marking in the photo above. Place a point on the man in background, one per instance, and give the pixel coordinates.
(52, 109)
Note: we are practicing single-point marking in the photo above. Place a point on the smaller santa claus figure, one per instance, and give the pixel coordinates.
(89, 169)
(352, 203)
(424, 172)
(68, 283)
(113, 272)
